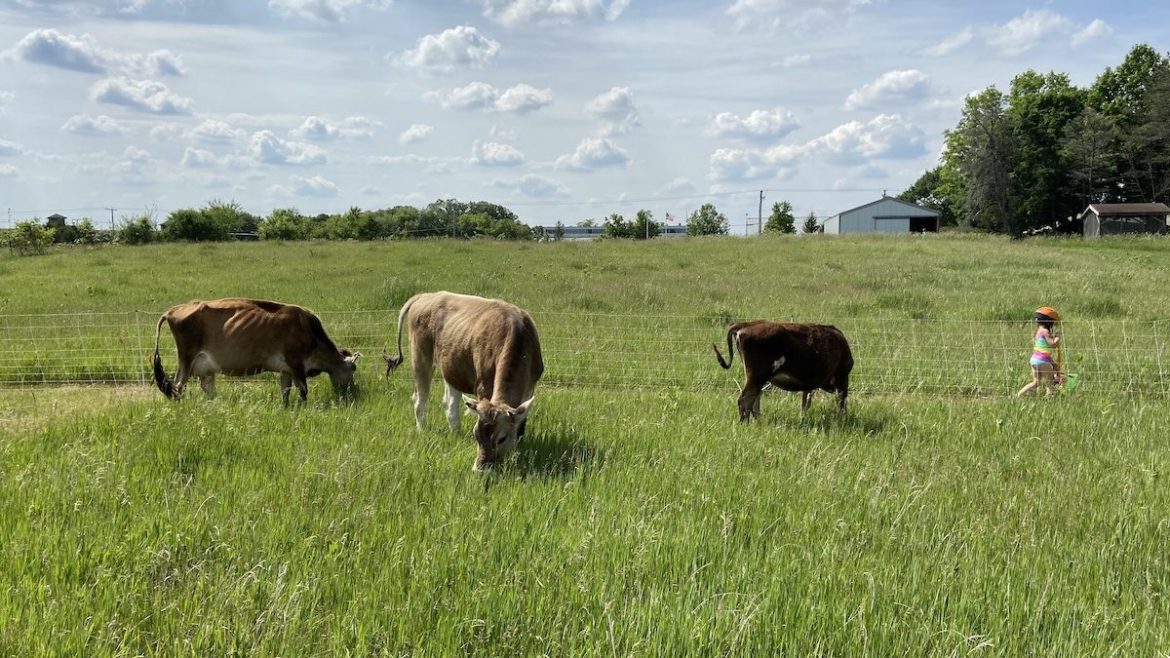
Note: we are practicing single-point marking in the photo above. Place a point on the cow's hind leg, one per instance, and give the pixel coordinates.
(842, 396)
(285, 387)
(207, 383)
(749, 402)
(453, 404)
(805, 401)
(423, 365)
(301, 382)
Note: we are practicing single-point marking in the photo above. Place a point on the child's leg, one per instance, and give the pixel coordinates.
(1031, 385)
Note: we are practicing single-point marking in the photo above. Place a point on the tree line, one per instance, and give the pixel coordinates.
(1041, 152)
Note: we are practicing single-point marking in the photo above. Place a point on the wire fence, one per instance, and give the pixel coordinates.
(622, 351)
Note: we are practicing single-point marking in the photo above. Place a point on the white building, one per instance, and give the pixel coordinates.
(886, 215)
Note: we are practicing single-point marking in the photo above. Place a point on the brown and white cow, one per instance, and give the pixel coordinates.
(246, 337)
(789, 356)
(486, 349)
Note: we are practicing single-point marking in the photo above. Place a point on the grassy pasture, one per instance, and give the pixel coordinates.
(635, 520)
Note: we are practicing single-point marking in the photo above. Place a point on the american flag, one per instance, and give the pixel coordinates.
(669, 217)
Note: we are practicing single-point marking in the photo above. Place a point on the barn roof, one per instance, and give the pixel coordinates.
(922, 211)
(1126, 209)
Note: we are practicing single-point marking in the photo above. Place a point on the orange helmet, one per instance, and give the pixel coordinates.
(1047, 314)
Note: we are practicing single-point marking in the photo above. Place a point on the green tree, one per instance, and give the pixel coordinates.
(1039, 109)
(29, 238)
(616, 226)
(781, 220)
(644, 227)
(977, 161)
(87, 233)
(927, 192)
(1087, 147)
(1122, 95)
(284, 224)
(707, 221)
(136, 230)
(811, 224)
(1148, 145)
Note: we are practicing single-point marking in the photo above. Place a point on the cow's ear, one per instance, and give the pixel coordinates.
(521, 411)
(471, 403)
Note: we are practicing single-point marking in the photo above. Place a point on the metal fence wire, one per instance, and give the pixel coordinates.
(893, 356)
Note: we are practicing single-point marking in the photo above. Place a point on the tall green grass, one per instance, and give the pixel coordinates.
(642, 521)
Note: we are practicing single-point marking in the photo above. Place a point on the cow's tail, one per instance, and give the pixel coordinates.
(392, 363)
(161, 380)
(730, 350)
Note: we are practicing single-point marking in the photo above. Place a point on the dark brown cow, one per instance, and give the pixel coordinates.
(486, 349)
(790, 356)
(249, 336)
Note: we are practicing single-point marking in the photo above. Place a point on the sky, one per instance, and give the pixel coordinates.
(561, 110)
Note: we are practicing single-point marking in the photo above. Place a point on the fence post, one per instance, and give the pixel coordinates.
(138, 332)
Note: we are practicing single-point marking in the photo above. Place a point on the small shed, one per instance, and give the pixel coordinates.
(886, 215)
(1124, 218)
(56, 220)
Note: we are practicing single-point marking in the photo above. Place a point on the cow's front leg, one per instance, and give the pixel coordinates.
(207, 382)
(453, 404)
(805, 401)
(301, 382)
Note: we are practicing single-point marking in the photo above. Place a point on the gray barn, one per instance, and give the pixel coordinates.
(886, 215)
(1122, 218)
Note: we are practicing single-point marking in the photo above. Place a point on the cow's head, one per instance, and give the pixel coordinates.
(342, 375)
(498, 428)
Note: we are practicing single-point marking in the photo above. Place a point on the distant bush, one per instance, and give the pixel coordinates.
(88, 234)
(284, 224)
(139, 230)
(215, 222)
(29, 238)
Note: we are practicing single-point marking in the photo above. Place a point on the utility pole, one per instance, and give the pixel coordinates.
(111, 217)
(760, 215)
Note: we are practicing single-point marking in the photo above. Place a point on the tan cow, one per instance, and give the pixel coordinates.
(246, 337)
(790, 356)
(486, 349)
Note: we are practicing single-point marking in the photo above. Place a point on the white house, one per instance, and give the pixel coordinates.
(886, 215)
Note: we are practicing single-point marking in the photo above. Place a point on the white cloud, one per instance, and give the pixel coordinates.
(795, 60)
(951, 43)
(519, 99)
(523, 98)
(327, 11)
(415, 133)
(617, 108)
(427, 164)
(1096, 30)
(890, 87)
(1026, 31)
(267, 148)
(165, 131)
(492, 154)
(83, 124)
(82, 53)
(884, 136)
(740, 164)
(370, 190)
(786, 13)
(315, 186)
(198, 158)
(453, 49)
(9, 149)
(759, 125)
(473, 96)
(680, 185)
(594, 153)
(140, 95)
(212, 130)
(8, 171)
(516, 12)
(532, 185)
(319, 129)
(6, 98)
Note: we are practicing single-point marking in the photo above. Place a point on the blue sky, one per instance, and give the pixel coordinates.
(559, 109)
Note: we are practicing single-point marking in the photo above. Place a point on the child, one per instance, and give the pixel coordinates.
(1044, 343)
